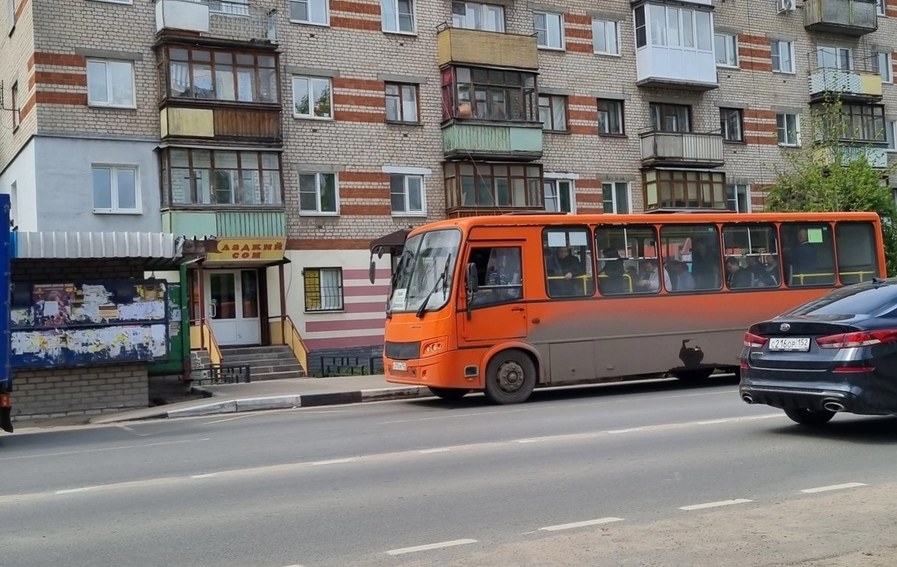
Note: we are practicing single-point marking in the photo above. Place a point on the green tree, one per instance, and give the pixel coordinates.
(834, 174)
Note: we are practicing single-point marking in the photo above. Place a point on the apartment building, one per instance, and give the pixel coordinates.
(296, 132)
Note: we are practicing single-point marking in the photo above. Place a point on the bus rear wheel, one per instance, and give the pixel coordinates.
(510, 377)
(697, 375)
(450, 394)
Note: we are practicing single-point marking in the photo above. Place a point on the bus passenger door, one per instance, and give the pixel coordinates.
(497, 310)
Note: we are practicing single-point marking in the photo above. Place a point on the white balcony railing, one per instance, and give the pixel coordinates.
(221, 19)
(848, 82)
(684, 148)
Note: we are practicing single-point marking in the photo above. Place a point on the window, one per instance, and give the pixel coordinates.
(492, 185)
(808, 254)
(677, 189)
(670, 117)
(673, 26)
(726, 47)
(881, 64)
(559, 196)
(691, 257)
(312, 98)
(567, 257)
(834, 58)
(738, 198)
(488, 94)
(549, 30)
(782, 56)
(788, 129)
(11, 14)
(220, 177)
(730, 121)
(318, 193)
(498, 273)
(397, 16)
(232, 7)
(476, 16)
(751, 256)
(857, 261)
(115, 189)
(891, 135)
(880, 7)
(553, 113)
(610, 117)
(323, 289)
(14, 95)
(110, 83)
(616, 197)
(401, 103)
(310, 12)
(627, 260)
(222, 75)
(605, 37)
(406, 194)
(863, 122)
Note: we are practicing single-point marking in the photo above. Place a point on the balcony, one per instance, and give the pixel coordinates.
(501, 141)
(682, 149)
(226, 122)
(877, 157)
(458, 46)
(845, 17)
(218, 19)
(243, 223)
(684, 190)
(849, 85)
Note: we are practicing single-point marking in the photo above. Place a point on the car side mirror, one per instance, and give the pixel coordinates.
(372, 270)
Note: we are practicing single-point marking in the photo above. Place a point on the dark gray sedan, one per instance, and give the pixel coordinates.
(837, 353)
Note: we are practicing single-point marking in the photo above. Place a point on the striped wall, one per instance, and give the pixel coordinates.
(578, 33)
(359, 100)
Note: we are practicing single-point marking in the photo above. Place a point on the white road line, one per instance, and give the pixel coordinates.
(233, 418)
(76, 490)
(832, 487)
(715, 504)
(573, 525)
(521, 441)
(332, 462)
(428, 451)
(430, 546)
(209, 475)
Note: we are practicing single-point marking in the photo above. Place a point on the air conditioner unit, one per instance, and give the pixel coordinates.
(785, 5)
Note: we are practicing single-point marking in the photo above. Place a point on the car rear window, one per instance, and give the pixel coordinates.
(859, 299)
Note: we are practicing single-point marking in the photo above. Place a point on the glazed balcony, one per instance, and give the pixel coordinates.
(681, 189)
(457, 46)
(681, 149)
(845, 17)
(849, 85)
(488, 140)
(216, 19)
(877, 157)
(240, 223)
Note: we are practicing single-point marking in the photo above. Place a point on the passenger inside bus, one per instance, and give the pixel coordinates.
(680, 277)
(736, 276)
(564, 272)
(499, 272)
(612, 277)
(705, 263)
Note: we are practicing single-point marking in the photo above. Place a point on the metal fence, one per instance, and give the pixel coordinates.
(221, 374)
(350, 365)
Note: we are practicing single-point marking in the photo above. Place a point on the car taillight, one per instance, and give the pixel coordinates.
(754, 341)
(858, 339)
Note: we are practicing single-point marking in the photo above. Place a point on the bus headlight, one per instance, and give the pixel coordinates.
(433, 346)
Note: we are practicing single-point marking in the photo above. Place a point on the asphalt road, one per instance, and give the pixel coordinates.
(634, 474)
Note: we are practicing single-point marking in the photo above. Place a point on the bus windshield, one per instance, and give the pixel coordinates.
(424, 274)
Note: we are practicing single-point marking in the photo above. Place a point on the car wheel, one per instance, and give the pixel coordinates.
(693, 375)
(450, 394)
(810, 417)
(510, 377)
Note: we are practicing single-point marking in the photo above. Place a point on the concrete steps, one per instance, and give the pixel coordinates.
(265, 362)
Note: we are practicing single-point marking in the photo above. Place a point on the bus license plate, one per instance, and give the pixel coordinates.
(793, 344)
(401, 366)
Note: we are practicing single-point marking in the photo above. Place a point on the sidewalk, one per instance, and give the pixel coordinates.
(275, 394)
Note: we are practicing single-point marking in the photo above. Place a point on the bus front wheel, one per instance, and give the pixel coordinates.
(510, 377)
(450, 394)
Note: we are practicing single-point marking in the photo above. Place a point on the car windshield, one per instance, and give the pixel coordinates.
(425, 271)
(858, 299)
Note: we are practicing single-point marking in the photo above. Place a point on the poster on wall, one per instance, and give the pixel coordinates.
(75, 324)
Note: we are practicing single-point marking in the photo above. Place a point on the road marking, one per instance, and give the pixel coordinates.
(231, 418)
(573, 525)
(715, 504)
(431, 546)
(102, 449)
(428, 451)
(832, 487)
(332, 462)
(209, 475)
(76, 490)
(521, 441)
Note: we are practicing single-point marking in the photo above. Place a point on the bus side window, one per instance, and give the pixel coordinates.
(692, 257)
(857, 261)
(809, 258)
(499, 274)
(752, 256)
(628, 260)
(567, 258)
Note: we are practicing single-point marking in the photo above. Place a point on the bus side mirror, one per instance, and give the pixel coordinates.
(472, 277)
(372, 269)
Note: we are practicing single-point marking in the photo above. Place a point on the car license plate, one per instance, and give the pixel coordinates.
(796, 344)
(401, 366)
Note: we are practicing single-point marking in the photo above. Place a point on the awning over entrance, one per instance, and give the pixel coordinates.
(392, 243)
(160, 248)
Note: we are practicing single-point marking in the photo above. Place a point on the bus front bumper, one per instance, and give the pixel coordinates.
(438, 371)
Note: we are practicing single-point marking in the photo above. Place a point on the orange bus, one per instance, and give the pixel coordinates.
(505, 304)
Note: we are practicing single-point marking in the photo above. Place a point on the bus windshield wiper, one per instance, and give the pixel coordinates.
(443, 279)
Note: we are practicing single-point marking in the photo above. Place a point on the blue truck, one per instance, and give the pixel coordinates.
(5, 285)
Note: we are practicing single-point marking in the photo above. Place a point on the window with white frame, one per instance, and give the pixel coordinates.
(397, 16)
(788, 129)
(310, 12)
(549, 28)
(726, 48)
(880, 7)
(616, 197)
(610, 117)
(478, 16)
(318, 194)
(834, 58)
(312, 97)
(11, 14)
(115, 189)
(323, 289)
(110, 83)
(553, 112)
(406, 194)
(730, 123)
(605, 37)
(891, 135)
(882, 64)
(559, 195)
(738, 198)
(782, 56)
(401, 103)
(673, 26)
(232, 7)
